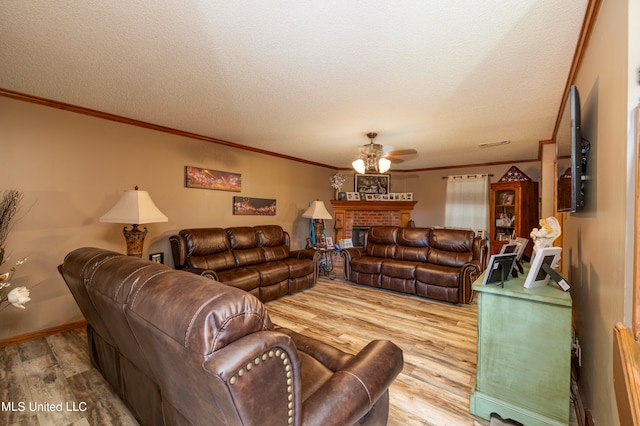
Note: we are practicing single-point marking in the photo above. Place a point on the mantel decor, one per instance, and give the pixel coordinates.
(372, 184)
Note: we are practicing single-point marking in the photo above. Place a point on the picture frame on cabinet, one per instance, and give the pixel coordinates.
(522, 244)
(499, 269)
(537, 276)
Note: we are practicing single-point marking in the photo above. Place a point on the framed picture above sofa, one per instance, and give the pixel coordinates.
(198, 177)
(254, 206)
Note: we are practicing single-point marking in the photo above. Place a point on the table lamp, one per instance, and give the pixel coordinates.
(317, 212)
(134, 207)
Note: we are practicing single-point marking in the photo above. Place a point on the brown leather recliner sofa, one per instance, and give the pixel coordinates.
(437, 263)
(255, 259)
(181, 349)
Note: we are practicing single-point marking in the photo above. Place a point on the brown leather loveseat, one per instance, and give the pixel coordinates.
(255, 259)
(438, 263)
(181, 349)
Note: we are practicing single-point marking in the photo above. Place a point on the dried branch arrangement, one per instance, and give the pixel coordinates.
(8, 207)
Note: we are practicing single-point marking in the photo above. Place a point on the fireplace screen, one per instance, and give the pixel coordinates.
(357, 235)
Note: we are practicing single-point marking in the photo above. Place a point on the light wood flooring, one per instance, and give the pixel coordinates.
(438, 341)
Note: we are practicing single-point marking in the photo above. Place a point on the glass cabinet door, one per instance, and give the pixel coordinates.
(505, 214)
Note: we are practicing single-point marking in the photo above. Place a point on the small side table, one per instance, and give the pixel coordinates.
(325, 262)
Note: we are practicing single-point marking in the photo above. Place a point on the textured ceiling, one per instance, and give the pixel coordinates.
(308, 79)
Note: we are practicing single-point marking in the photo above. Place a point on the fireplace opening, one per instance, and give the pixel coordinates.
(357, 235)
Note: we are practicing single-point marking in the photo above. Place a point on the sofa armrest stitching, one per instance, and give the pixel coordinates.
(363, 385)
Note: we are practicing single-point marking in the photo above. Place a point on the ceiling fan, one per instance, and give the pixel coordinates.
(374, 159)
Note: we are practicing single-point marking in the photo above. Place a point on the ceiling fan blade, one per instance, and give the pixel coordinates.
(402, 153)
(395, 160)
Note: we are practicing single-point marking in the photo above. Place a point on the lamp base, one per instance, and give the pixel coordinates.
(135, 240)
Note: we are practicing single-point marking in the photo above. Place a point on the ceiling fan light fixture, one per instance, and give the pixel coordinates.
(384, 164)
(358, 166)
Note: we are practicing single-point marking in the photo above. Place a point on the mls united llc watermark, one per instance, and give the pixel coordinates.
(20, 406)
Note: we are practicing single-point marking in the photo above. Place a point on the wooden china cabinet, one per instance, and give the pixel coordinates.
(514, 210)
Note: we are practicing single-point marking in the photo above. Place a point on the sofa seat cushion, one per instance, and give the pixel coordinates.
(443, 276)
(367, 264)
(399, 269)
(246, 279)
(299, 267)
(272, 272)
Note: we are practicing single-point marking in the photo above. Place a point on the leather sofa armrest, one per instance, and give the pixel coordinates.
(469, 272)
(313, 255)
(480, 251)
(348, 254)
(262, 366)
(303, 254)
(331, 357)
(179, 251)
(361, 382)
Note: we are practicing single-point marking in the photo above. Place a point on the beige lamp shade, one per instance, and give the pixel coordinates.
(317, 210)
(134, 207)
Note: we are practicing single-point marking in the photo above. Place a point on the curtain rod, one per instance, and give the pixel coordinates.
(463, 176)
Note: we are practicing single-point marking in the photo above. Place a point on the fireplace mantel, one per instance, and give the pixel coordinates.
(343, 212)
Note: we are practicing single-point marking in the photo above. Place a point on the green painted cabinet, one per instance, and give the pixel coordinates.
(524, 353)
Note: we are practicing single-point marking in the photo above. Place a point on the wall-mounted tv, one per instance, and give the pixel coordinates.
(572, 152)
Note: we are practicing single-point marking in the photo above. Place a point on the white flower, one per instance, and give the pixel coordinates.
(337, 180)
(18, 297)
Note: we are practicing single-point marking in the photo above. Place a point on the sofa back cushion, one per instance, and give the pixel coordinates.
(208, 248)
(245, 246)
(199, 314)
(274, 242)
(380, 241)
(413, 244)
(450, 247)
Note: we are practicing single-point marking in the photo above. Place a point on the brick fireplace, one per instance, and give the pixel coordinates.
(347, 214)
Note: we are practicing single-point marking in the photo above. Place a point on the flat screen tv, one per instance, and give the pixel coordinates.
(572, 146)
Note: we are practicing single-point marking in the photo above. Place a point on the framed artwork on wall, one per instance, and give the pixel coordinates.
(372, 184)
(254, 206)
(198, 177)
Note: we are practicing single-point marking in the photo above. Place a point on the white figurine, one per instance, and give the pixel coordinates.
(545, 235)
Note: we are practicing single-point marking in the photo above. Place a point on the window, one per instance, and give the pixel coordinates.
(467, 202)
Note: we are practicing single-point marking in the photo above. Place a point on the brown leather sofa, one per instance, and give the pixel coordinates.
(181, 349)
(438, 263)
(255, 259)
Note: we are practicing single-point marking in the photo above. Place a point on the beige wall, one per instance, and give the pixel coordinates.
(72, 168)
(596, 242)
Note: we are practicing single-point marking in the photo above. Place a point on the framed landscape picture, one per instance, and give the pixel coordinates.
(372, 184)
(254, 206)
(198, 177)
